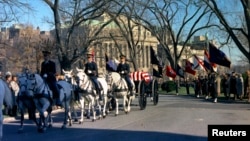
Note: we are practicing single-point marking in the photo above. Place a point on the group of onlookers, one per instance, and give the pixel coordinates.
(12, 82)
(232, 85)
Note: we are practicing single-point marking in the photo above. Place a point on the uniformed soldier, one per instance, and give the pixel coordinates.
(48, 71)
(123, 69)
(91, 70)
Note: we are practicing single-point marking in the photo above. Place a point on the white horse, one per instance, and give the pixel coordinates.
(25, 101)
(119, 89)
(43, 99)
(88, 92)
(6, 99)
(69, 77)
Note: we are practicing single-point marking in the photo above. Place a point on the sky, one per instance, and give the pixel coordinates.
(36, 18)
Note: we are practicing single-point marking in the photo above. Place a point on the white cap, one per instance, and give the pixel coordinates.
(8, 73)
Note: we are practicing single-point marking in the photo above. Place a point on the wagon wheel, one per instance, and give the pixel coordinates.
(155, 94)
(142, 98)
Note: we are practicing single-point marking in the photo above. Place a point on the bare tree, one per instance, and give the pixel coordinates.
(74, 18)
(130, 32)
(174, 22)
(11, 10)
(236, 27)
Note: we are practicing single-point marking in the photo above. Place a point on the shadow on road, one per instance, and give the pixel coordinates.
(77, 134)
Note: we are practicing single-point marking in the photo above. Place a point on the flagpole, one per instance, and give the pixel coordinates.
(207, 41)
(207, 44)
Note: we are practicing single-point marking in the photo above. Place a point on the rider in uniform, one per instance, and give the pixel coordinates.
(48, 71)
(123, 69)
(91, 70)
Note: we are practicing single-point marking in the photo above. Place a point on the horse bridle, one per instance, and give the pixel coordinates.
(33, 84)
(85, 83)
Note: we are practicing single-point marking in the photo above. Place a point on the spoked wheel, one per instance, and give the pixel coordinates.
(155, 92)
(142, 97)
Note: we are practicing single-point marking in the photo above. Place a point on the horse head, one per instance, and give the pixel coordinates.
(68, 75)
(22, 82)
(37, 85)
(81, 78)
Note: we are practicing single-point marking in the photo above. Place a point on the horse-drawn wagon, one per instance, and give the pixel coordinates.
(146, 86)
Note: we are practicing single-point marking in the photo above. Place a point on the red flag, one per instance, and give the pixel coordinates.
(93, 55)
(170, 72)
(188, 68)
(209, 65)
(199, 62)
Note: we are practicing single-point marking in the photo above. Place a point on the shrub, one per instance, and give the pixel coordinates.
(168, 86)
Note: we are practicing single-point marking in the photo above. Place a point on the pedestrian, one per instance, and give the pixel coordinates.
(48, 72)
(224, 84)
(15, 90)
(239, 86)
(248, 85)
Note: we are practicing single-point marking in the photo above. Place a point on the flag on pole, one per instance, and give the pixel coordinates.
(153, 57)
(111, 65)
(179, 71)
(207, 64)
(93, 54)
(188, 67)
(198, 63)
(156, 73)
(106, 57)
(218, 57)
(170, 72)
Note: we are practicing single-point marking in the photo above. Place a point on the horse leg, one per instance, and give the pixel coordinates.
(42, 127)
(124, 104)
(82, 110)
(104, 107)
(66, 115)
(49, 120)
(89, 109)
(72, 110)
(93, 109)
(70, 116)
(75, 113)
(20, 130)
(117, 107)
(129, 100)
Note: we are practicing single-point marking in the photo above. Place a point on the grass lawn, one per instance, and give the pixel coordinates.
(183, 91)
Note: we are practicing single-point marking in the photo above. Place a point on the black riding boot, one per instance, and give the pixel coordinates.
(131, 91)
(100, 95)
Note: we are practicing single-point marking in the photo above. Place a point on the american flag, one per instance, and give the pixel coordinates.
(139, 76)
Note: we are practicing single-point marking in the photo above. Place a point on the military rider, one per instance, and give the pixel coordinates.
(91, 70)
(123, 69)
(48, 71)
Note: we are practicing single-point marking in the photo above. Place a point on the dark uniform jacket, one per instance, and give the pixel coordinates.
(91, 69)
(48, 68)
(123, 69)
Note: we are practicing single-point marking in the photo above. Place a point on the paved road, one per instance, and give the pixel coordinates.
(175, 118)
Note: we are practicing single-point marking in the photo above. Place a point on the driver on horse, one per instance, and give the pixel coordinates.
(123, 69)
(91, 70)
(48, 71)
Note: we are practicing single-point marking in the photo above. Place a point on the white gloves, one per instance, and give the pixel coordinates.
(45, 75)
(89, 71)
(122, 72)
